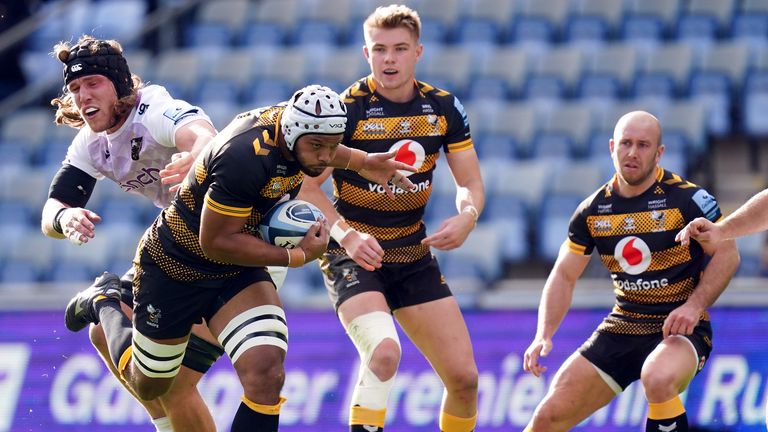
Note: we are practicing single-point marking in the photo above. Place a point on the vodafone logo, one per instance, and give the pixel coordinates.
(633, 255)
(409, 152)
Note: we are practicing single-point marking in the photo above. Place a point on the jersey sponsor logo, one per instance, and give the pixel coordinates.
(405, 127)
(707, 204)
(418, 187)
(409, 152)
(657, 204)
(427, 108)
(136, 144)
(604, 208)
(146, 177)
(178, 113)
(143, 108)
(633, 255)
(642, 284)
(374, 128)
(374, 112)
(602, 225)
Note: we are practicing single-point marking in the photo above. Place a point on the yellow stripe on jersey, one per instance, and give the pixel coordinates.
(576, 248)
(660, 260)
(413, 127)
(460, 146)
(635, 223)
(226, 210)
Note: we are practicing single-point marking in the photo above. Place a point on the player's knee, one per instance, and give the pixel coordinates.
(150, 389)
(546, 418)
(659, 383)
(385, 359)
(261, 370)
(462, 379)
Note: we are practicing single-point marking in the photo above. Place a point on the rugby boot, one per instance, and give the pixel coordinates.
(80, 310)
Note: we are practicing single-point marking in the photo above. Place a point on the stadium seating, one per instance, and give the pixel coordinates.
(543, 83)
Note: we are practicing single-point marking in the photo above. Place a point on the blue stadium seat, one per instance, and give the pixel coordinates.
(508, 217)
(118, 19)
(552, 228)
(755, 104)
(209, 35)
(19, 272)
(751, 29)
(495, 146)
(261, 34)
(700, 31)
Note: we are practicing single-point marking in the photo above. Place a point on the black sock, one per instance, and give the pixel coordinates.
(248, 420)
(117, 328)
(675, 424)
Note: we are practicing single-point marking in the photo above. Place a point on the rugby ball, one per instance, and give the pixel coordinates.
(286, 223)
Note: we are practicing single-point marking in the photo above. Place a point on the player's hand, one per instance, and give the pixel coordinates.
(539, 348)
(452, 232)
(383, 169)
(363, 249)
(176, 170)
(79, 224)
(682, 320)
(700, 229)
(315, 241)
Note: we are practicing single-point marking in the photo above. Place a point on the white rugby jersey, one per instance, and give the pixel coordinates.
(134, 155)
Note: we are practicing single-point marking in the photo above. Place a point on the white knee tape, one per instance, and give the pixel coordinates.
(262, 325)
(156, 360)
(367, 332)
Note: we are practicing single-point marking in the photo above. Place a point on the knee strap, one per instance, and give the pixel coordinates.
(201, 354)
(367, 332)
(156, 360)
(262, 325)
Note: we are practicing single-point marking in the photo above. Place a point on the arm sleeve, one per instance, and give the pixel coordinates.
(703, 204)
(164, 118)
(71, 186)
(457, 137)
(580, 241)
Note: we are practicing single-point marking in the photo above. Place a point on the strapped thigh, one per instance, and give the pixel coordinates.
(262, 325)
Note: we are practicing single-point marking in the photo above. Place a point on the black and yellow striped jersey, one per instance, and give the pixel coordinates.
(241, 173)
(418, 130)
(635, 237)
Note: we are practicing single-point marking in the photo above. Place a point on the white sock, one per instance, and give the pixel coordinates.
(162, 424)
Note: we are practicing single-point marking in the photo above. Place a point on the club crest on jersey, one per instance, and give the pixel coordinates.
(136, 144)
(633, 255)
(409, 152)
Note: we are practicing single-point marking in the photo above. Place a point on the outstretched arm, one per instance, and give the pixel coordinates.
(555, 302)
(748, 219)
(380, 168)
(190, 141)
(361, 247)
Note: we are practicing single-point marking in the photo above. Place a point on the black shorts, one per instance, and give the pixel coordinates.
(402, 284)
(165, 308)
(622, 356)
(200, 354)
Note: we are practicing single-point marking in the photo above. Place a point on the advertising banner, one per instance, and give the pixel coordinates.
(52, 380)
